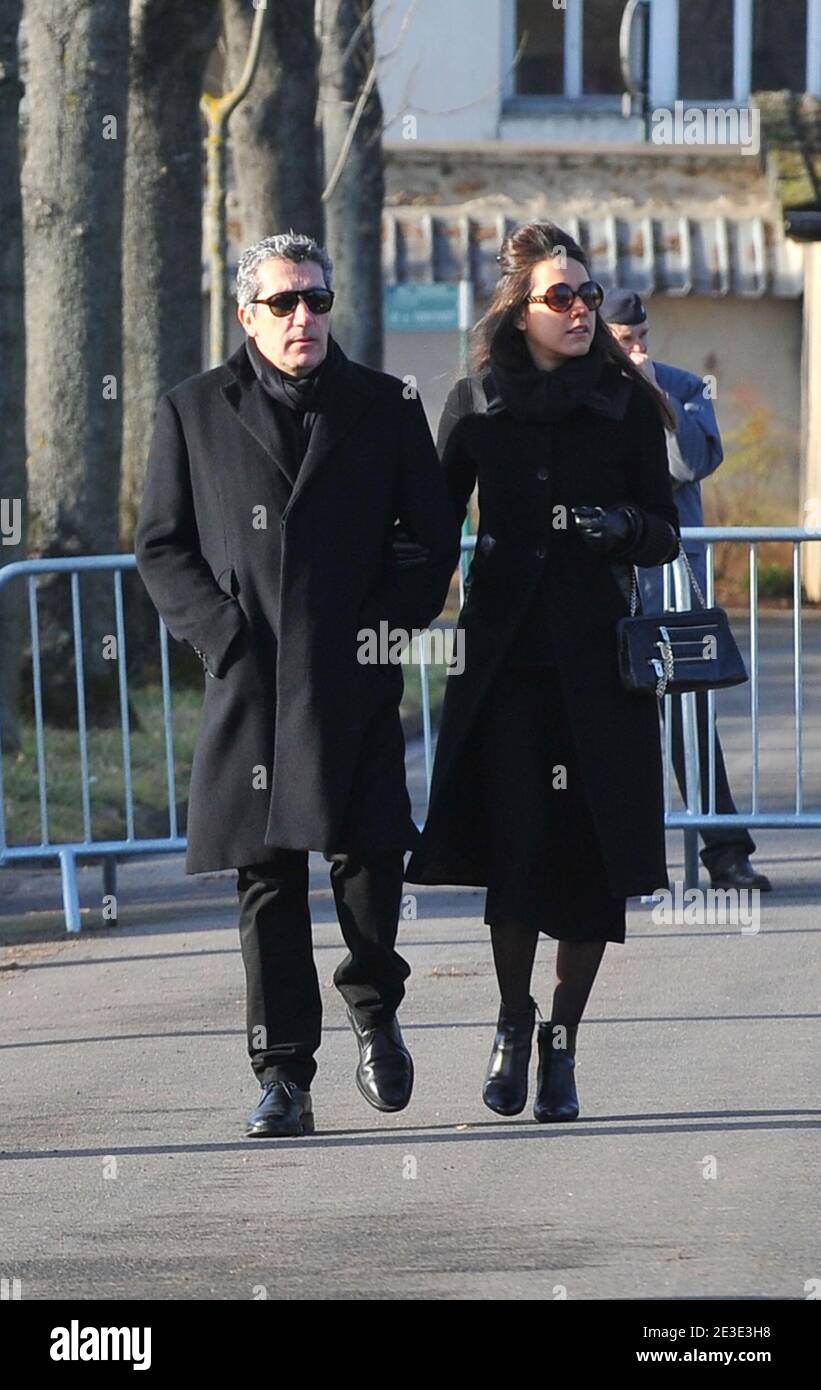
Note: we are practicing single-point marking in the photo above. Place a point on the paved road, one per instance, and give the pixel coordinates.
(700, 1046)
(125, 1083)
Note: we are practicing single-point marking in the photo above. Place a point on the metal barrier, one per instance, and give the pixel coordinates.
(691, 819)
(109, 851)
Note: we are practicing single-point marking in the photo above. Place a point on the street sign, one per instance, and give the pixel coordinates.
(445, 306)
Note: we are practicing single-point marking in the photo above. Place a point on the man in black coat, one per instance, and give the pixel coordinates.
(293, 499)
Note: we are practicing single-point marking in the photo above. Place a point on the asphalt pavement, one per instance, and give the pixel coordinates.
(691, 1172)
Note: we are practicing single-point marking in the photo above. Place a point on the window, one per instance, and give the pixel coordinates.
(572, 51)
(780, 45)
(705, 49)
(601, 72)
(540, 71)
(709, 51)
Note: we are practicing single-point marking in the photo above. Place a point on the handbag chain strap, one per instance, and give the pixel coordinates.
(665, 668)
(634, 584)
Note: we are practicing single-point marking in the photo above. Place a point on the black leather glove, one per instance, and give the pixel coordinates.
(606, 531)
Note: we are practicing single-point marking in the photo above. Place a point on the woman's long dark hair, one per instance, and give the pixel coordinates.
(496, 334)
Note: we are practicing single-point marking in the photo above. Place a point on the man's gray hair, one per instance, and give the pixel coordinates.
(286, 246)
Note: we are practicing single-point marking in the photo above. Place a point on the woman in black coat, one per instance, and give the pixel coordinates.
(547, 784)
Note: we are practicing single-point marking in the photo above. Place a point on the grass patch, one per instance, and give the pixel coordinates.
(148, 767)
(106, 773)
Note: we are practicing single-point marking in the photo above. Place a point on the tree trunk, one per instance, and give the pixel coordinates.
(162, 245)
(13, 500)
(353, 208)
(275, 145)
(72, 205)
(162, 232)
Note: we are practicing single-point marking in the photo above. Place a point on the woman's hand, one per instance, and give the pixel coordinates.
(604, 531)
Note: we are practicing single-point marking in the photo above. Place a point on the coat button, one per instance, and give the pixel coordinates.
(543, 475)
(540, 552)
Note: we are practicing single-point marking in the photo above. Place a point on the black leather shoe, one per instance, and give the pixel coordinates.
(283, 1110)
(505, 1088)
(556, 1097)
(738, 872)
(385, 1071)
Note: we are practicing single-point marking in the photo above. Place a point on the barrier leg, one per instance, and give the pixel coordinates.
(689, 733)
(110, 882)
(71, 898)
(691, 860)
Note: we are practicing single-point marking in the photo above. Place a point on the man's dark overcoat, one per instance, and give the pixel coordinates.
(612, 450)
(300, 745)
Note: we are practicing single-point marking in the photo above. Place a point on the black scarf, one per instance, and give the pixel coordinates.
(303, 397)
(532, 394)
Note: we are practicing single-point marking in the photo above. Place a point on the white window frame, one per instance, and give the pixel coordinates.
(573, 96)
(664, 84)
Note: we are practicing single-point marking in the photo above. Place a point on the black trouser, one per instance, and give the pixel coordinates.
(284, 1004)
(717, 841)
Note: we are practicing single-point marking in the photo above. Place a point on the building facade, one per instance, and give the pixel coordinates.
(499, 111)
(550, 70)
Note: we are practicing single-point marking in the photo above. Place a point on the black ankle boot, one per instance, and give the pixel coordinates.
(556, 1097)
(505, 1088)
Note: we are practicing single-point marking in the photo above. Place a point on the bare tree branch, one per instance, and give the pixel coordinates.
(466, 106)
(216, 111)
(350, 133)
(361, 102)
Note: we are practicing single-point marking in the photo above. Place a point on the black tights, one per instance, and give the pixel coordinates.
(514, 949)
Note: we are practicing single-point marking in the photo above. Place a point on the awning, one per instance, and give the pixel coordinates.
(655, 254)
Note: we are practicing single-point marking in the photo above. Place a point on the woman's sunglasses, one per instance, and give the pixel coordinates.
(560, 297)
(283, 304)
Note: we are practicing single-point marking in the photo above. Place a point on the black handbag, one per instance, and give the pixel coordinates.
(669, 653)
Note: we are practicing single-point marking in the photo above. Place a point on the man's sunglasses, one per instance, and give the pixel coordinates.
(560, 297)
(283, 304)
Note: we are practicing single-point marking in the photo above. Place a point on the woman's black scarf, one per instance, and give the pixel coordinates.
(532, 394)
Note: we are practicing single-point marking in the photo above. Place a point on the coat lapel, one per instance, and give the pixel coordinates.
(350, 399)
(247, 398)
(248, 401)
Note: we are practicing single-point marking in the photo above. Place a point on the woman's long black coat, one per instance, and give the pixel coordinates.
(610, 451)
(300, 746)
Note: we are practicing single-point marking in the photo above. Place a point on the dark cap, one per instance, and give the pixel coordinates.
(622, 306)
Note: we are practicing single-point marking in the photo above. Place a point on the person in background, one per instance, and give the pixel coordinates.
(694, 452)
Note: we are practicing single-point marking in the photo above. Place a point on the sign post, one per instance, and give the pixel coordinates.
(445, 306)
